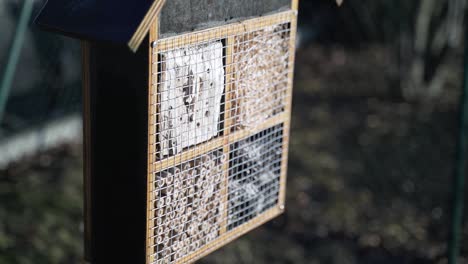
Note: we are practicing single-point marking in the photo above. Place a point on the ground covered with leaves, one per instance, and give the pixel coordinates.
(369, 177)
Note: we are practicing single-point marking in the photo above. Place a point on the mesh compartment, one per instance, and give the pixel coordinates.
(260, 71)
(254, 174)
(190, 93)
(188, 205)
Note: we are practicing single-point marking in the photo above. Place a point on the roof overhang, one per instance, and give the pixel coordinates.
(118, 21)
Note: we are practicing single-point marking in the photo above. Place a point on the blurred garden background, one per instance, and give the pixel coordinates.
(377, 87)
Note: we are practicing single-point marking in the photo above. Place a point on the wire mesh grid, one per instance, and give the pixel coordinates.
(259, 75)
(218, 111)
(188, 209)
(254, 173)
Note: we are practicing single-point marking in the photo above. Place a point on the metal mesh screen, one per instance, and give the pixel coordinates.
(254, 173)
(219, 120)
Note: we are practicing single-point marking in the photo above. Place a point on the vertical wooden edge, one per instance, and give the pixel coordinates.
(225, 192)
(294, 5)
(228, 86)
(85, 68)
(287, 123)
(227, 130)
(153, 36)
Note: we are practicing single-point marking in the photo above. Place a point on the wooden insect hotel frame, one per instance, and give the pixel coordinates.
(220, 103)
(186, 140)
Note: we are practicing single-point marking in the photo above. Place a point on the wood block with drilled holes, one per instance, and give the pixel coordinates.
(192, 84)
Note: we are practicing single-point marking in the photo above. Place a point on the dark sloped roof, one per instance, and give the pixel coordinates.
(128, 21)
(103, 20)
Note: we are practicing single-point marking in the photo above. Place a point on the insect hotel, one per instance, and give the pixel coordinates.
(186, 107)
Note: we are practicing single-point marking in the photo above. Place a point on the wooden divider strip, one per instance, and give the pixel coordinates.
(216, 143)
(227, 130)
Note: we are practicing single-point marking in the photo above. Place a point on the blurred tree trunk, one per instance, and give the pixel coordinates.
(437, 28)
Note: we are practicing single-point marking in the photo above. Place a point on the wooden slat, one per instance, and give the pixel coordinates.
(227, 131)
(288, 104)
(224, 31)
(147, 22)
(187, 155)
(228, 122)
(247, 132)
(152, 103)
(295, 5)
(216, 143)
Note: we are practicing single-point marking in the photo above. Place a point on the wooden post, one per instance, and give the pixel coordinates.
(115, 112)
